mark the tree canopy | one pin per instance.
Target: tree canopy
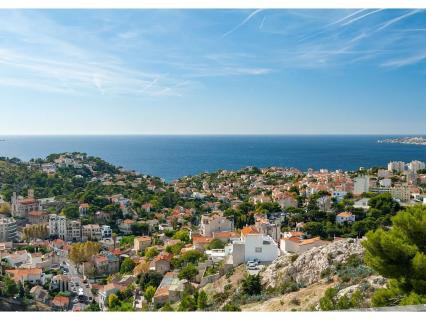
(399, 254)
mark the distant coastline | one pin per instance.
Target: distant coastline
(405, 140)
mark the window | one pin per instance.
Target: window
(258, 249)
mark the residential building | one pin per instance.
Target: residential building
(106, 291)
(60, 303)
(39, 294)
(361, 185)
(18, 258)
(362, 204)
(21, 207)
(170, 289)
(63, 228)
(416, 165)
(125, 226)
(268, 228)
(385, 183)
(8, 231)
(141, 243)
(102, 264)
(83, 208)
(345, 217)
(397, 166)
(91, 232)
(215, 223)
(401, 192)
(38, 217)
(73, 228)
(251, 245)
(31, 275)
(106, 232)
(161, 263)
(339, 195)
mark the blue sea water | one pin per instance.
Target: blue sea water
(171, 157)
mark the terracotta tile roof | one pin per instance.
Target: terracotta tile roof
(345, 214)
(143, 238)
(18, 274)
(249, 230)
(37, 214)
(27, 201)
(224, 234)
(162, 292)
(61, 301)
(201, 240)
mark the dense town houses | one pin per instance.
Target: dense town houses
(183, 235)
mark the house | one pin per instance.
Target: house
(39, 294)
(225, 236)
(252, 245)
(170, 289)
(362, 204)
(161, 263)
(125, 226)
(296, 244)
(345, 217)
(106, 232)
(83, 208)
(215, 223)
(102, 264)
(106, 291)
(18, 258)
(60, 303)
(141, 243)
(269, 229)
(200, 242)
(32, 275)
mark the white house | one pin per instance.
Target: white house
(251, 245)
(345, 217)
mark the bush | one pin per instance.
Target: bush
(251, 285)
(229, 307)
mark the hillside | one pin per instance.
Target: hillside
(298, 282)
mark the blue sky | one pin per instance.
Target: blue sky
(212, 71)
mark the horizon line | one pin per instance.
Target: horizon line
(201, 134)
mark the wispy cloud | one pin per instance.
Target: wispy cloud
(406, 61)
(397, 19)
(347, 17)
(361, 17)
(247, 19)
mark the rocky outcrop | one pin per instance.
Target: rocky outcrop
(310, 266)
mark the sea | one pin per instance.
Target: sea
(171, 157)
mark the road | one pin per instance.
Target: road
(77, 282)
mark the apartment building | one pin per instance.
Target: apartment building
(8, 230)
(215, 223)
